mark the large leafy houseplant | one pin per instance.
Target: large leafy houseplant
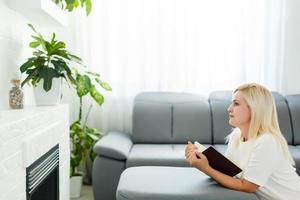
(83, 137)
(50, 59)
(70, 5)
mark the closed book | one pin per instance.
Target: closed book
(218, 161)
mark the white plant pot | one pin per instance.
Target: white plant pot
(75, 186)
(50, 98)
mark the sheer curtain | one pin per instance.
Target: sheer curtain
(176, 45)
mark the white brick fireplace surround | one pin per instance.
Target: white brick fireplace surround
(25, 135)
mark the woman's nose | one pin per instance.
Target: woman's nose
(229, 109)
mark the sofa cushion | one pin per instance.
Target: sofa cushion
(295, 151)
(283, 117)
(156, 155)
(151, 122)
(293, 102)
(191, 121)
(219, 102)
(173, 183)
(165, 117)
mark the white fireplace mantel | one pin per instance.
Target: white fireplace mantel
(25, 135)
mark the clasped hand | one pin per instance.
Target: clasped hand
(191, 153)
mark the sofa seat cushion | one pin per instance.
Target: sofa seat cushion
(295, 151)
(156, 155)
(160, 155)
(173, 183)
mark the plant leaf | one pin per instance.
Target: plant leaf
(75, 160)
(58, 46)
(74, 58)
(97, 96)
(30, 76)
(93, 73)
(48, 74)
(40, 62)
(49, 48)
(61, 66)
(53, 39)
(29, 63)
(93, 137)
(39, 38)
(88, 7)
(104, 85)
(38, 53)
(30, 25)
(34, 44)
(62, 53)
(92, 155)
(35, 80)
(72, 80)
(83, 85)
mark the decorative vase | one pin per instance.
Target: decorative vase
(75, 186)
(50, 98)
(16, 95)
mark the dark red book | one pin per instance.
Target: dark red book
(219, 162)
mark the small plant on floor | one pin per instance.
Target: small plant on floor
(83, 137)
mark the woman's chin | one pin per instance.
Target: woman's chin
(231, 122)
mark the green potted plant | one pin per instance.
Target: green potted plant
(49, 64)
(82, 136)
(70, 5)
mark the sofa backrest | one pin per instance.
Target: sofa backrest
(293, 102)
(166, 117)
(283, 117)
(219, 102)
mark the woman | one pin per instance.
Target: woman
(257, 146)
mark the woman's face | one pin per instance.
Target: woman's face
(238, 111)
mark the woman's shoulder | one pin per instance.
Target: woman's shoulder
(266, 139)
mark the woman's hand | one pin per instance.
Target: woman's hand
(191, 154)
(189, 148)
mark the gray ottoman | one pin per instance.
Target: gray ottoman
(172, 183)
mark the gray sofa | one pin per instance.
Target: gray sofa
(163, 123)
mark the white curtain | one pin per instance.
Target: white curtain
(192, 46)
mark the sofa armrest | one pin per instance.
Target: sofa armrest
(114, 145)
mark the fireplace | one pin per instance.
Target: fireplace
(42, 177)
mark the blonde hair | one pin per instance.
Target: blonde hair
(260, 99)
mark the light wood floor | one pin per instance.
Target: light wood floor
(86, 193)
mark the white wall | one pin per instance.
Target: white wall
(13, 32)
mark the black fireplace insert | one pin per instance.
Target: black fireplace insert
(42, 177)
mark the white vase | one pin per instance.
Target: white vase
(75, 186)
(50, 98)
